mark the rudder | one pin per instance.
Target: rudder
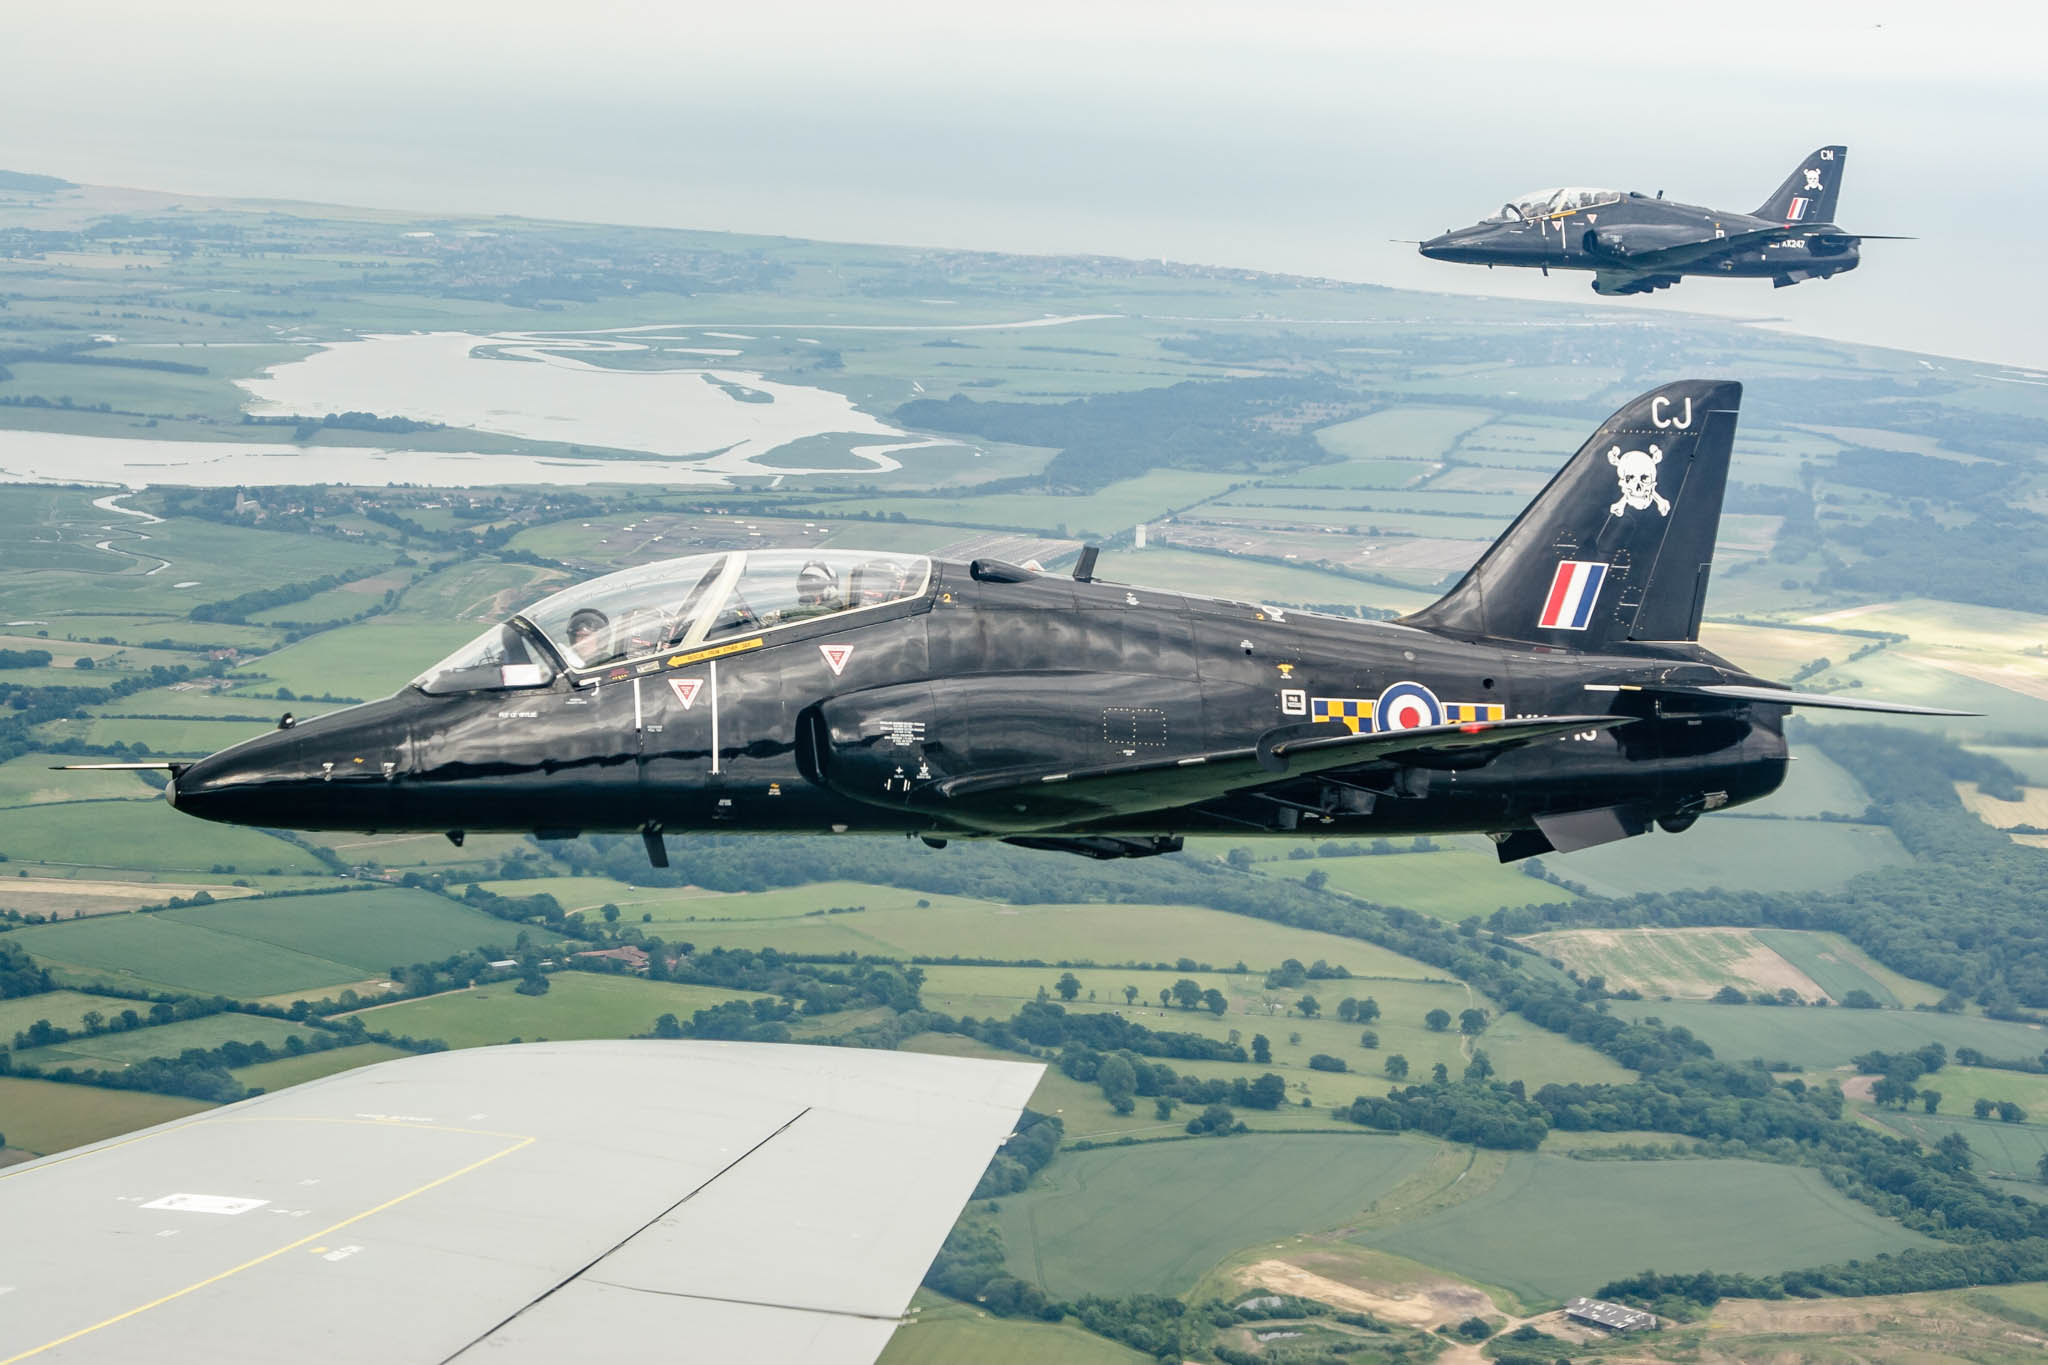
(1618, 544)
(1809, 193)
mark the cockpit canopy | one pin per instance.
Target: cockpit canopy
(1544, 203)
(675, 604)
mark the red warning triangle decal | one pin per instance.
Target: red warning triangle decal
(686, 690)
(836, 657)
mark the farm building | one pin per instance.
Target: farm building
(1614, 1317)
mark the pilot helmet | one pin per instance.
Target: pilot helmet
(588, 624)
(815, 584)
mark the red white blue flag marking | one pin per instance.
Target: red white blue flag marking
(1573, 593)
(1798, 210)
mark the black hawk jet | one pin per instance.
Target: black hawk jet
(1634, 244)
(1556, 698)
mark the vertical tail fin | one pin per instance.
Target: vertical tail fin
(1617, 546)
(1809, 193)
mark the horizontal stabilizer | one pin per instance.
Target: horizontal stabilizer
(1022, 801)
(1776, 696)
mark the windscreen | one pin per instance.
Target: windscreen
(502, 657)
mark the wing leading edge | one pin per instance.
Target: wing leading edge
(622, 1201)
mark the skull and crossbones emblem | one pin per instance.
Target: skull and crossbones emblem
(1637, 471)
(1813, 179)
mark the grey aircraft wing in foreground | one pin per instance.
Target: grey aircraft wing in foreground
(1635, 243)
(615, 1201)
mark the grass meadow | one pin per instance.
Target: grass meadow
(577, 1005)
(1820, 1038)
(1153, 1218)
(50, 1116)
(254, 948)
(1709, 1215)
(940, 1331)
(289, 1071)
(116, 1050)
(143, 836)
(1451, 884)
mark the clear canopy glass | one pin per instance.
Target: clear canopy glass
(677, 603)
(1544, 203)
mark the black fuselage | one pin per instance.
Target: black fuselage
(1040, 674)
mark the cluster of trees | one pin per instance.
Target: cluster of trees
(24, 658)
(19, 975)
(1480, 1111)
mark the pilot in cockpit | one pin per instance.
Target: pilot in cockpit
(817, 592)
(588, 629)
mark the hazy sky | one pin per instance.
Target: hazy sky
(1285, 135)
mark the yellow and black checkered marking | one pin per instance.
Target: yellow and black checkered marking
(1356, 712)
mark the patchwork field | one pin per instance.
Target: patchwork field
(1684, 964)
(1962, 1086)
(48, 1116)
(1735, 1215)
(1154, 1218)
(29, 781)
(75, 897)
(255, 948)
(577, 1005)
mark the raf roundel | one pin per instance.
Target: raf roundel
(1407, 706)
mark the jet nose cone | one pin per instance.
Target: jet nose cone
(235, 784)
(1435, 247)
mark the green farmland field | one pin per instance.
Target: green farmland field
(63, 1008)
(1735, 852)
(371, 659)
(29, 781)
(142, 835)
(1815, 1037)
(287, 1071)
(2011, 1150)
(1152, 1219)
(264, 947)
(577, 1005)
(1739, 1216)
(50, 1116)
(117, 1050)
(1839, 967)
(954, 927)
(1450, 885)
(942, 1332)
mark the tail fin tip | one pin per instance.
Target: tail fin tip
(1618, 544)
(1810, 193)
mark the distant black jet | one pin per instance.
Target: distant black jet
(1556, 698)
(1634, 244)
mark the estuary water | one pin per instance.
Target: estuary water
(541, 387)
(699, 426)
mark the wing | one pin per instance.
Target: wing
(1773, 696)
(616, 1201)
(1686, 255)
(1016, 802)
